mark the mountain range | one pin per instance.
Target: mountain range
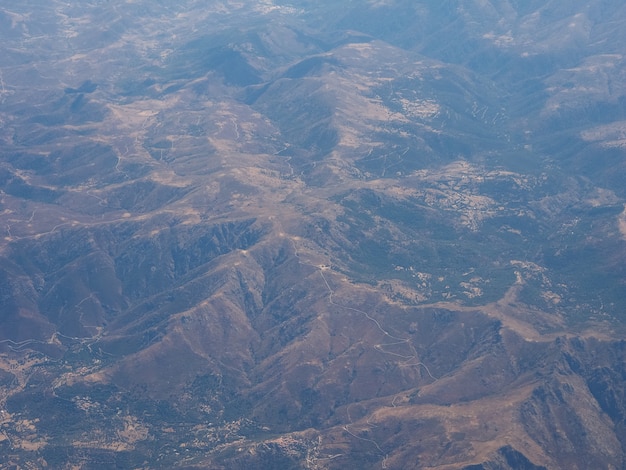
(284, 235)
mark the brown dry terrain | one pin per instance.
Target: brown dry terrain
(312, 235)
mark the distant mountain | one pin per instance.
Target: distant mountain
(378, 234)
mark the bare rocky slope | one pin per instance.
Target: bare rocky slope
(313, 235)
